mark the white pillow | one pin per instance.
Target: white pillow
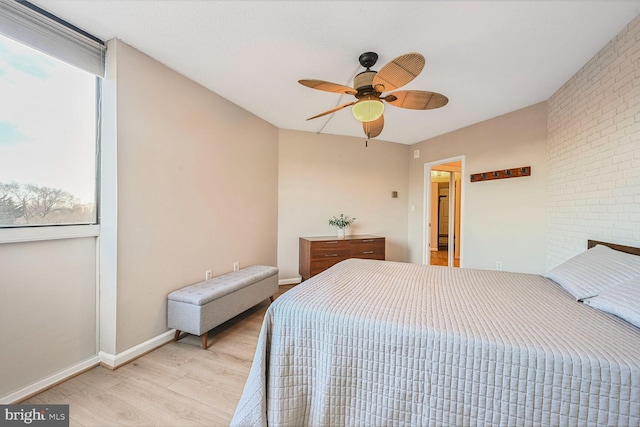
(592, 271)
(621, 300)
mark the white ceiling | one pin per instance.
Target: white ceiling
(488, 57)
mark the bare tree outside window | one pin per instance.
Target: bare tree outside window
(34, 204)
(47, 139)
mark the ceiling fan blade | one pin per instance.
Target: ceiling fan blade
(399, 72)
(416, 99)
(328, 86)
(373, 128)
(333, 110)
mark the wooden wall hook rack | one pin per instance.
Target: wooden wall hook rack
(502, 174)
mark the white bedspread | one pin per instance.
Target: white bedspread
(379, 343)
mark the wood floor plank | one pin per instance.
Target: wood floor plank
(224, 399)
(164, 406)
(156, 368)
(218, 367)
(93, 407)
(101, 378)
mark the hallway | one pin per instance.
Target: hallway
(440, 258)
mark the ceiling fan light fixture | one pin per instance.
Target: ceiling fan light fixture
(367, 109)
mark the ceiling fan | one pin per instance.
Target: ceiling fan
(369, 85)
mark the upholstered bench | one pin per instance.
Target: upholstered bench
(198, 308)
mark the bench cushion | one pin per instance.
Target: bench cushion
(204, 292)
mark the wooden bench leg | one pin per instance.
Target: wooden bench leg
(205, 345)
(205, 341)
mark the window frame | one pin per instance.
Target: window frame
(48, 232)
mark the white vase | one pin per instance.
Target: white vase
(340, 233)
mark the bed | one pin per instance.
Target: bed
(381, 343)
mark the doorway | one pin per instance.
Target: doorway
(443, 200)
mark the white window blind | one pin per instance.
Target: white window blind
(30, 25)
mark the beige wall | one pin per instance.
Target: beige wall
(197, 190)
(47, 309)
(502, 220)
(594, 152)
(324, 175)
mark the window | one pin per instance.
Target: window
(47, 139)
(48, 126)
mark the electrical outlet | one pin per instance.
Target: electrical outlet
(498, 265)
(236, 266)
(207, 275)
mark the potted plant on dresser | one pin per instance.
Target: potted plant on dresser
(341, 222)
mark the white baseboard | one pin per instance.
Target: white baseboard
(114, 361)
(49, 381)
(292, 281)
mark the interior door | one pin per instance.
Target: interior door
(456, 227)
(444, 207)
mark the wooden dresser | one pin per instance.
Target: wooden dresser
(319, 253)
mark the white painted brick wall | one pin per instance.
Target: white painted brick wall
(593, 187)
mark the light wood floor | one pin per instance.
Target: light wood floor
(441, 257)
(179, 384)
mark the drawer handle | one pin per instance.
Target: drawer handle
(367, 252)
(331, 243)
(367, 241)
(331, 255)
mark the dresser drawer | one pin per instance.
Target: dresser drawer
(368, 248)
(330, 249)
(321, 265)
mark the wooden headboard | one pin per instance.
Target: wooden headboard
(621, 248)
